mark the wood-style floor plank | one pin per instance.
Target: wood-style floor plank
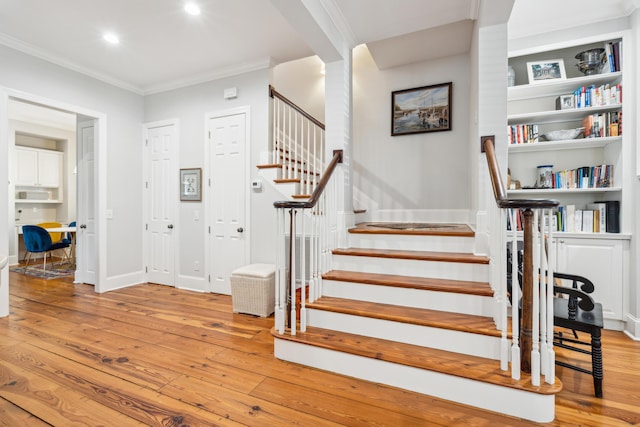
(154, 355)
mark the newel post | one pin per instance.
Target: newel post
(527, 293)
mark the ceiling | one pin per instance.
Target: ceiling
(161, 47)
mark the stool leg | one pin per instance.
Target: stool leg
(596, 361)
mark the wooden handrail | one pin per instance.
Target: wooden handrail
(275, 93)
(527, 206)
(337, 158)
(499, 191)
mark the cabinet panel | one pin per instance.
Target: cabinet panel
(26, 167)
(601, 261)
(38, 168)
(49, 165)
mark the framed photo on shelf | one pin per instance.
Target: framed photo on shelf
(421, 109)
(565, 102)
(191, 184)
(544, 71)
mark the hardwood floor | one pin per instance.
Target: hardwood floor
(154, 355)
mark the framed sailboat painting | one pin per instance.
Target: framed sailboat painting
(422, 109)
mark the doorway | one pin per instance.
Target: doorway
(228, 195)
(99, 178)
(161, 195)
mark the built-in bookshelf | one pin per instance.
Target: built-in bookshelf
(586, 168)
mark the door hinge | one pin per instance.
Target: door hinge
(146, 227)
(209, 278)
(209, 134)
(209, 229)
(209, 182)
(146, 142)
(146, 184)
(146, 269)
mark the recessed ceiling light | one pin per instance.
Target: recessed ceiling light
(192, 9)
(111, 38)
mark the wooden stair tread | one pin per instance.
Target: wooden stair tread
(415, 255)
(460, 365)
(461, 322)
(286, 180)
(423, 283)
(301, 196)
(419, 229)
(267, 166)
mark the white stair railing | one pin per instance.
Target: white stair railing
(532, 300)
(297, 142)
(312, 227)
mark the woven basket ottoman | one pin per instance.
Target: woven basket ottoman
(253, 289)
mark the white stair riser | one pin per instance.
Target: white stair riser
(433, 300)
(270, 174)
(518, 403)
(443, 339)
(412, 243)
(415, 268)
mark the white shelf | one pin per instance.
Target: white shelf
(550, 191)
(568, 144)
(29, 201)
(559, 87)
(555, 116)
(579, 235)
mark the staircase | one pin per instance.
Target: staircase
(412, 308)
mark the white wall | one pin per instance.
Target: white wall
(190, 105)
(124, 111)
(302, 82)
(427, 171)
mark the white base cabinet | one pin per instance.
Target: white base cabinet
(603, 261)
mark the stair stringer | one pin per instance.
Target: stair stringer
(510, 401)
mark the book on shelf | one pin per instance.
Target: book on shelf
(601, 210)
(583, 177)
(612, 215)
(612, 60)
(597, 96)
(522, 134)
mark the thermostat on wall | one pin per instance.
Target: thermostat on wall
(230, 92)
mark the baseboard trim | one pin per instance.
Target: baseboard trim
(123, 281)
(632, 327)
(191, 283)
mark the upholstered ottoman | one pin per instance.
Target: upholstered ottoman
(253, 289)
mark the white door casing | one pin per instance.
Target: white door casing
(161, 197)
(228, 195)
(86, 237)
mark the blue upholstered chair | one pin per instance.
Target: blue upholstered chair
(38, 240)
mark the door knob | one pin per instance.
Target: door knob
(83, 226)
(170, 226)
(240, 229)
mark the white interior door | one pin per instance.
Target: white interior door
(162, 196)
(227, 198)
(86, 234)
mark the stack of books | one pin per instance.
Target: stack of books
(603, 125)
(597, 217)
(583, 177)
(612, 57)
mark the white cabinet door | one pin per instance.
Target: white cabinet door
(600, 261)
(26, 167)
(49, 166)
(38, 168)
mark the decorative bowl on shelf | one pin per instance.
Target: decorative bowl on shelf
(590, 61)
(562, 134)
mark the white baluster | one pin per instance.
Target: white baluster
(535, 328)
(515, 300)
